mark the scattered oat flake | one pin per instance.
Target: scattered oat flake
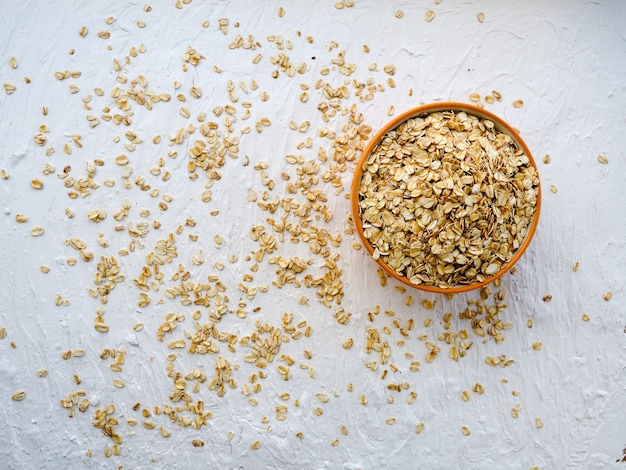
(518, 103)
(602, 159)
(608, 295)
(429, 16)
(478, 388)
(481, 17)
(398, 14)
(546, 159)
(585, 317)
(553, 188)
(19, 395)
(37, 231)
(9, 88)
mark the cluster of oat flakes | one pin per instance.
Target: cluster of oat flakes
(446, 199)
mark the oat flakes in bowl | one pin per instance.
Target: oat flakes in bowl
(446, 197)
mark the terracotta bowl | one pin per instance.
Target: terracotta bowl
(501, 126)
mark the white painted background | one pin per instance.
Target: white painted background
(565, 59)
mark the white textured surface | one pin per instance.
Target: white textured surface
(565, 60)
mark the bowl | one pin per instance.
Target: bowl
(468, 255)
